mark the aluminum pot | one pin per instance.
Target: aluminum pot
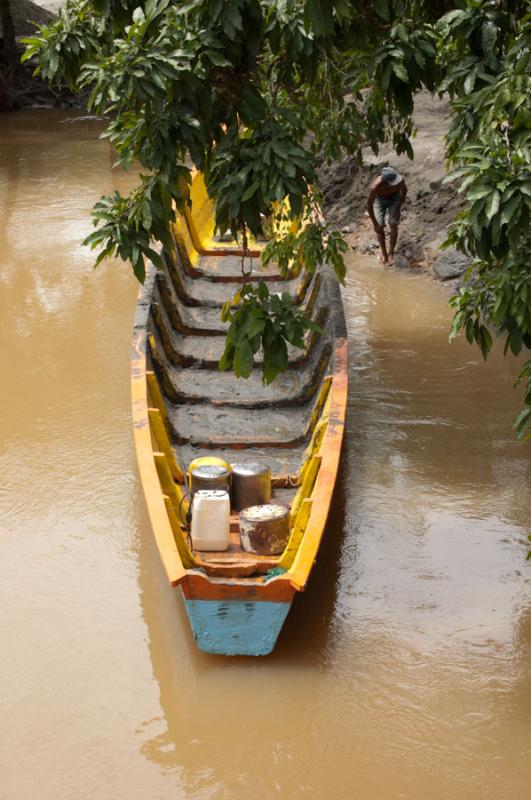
(209, 476)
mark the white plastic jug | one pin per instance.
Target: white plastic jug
(210, 520)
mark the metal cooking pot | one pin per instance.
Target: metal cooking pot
(209, 476)
(251, 484)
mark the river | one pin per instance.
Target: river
(404, 671)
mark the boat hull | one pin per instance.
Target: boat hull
(184, 408)
(236, 627)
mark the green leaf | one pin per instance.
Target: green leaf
(318, 16)
(256, 326)
(243, 359)
(217, 58)
(493, 204)
(489, 35)
(509, 209)
(470, 82)
(252, 189)
(139, 268)
(400, 71)
(515, 340)
(253, 107)
(263, 291)
(227, 358)
(478, 192)
(485, 341)
(275, 360)
(522, 426)
(382, 9)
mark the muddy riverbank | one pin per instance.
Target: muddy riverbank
(430, 206)
(19, 87)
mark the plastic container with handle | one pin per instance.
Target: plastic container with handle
(211, 520)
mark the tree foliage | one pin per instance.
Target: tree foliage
(253, 91)
(262, 321)
(486, 58)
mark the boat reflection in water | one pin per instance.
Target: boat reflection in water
(223, 718)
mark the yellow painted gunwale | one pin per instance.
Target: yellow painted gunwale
(330, 454)
(149, 478)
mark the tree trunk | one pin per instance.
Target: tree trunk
(9, 50)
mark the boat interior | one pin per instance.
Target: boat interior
(195, 410)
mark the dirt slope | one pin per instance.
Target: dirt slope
(26, 15)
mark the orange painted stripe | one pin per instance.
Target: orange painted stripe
(199, 587)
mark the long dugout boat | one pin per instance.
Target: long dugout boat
(184, 408)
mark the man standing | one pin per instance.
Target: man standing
(387, 192)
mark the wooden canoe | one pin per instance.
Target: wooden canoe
(183, 407)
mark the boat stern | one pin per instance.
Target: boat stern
(237, 618)
(236, 627)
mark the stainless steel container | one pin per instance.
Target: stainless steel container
(209, 476)
(251, 484)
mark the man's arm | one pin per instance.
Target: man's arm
(370, 202)
(403, 191)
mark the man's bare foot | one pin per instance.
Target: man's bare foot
(384, 260)
(391, 259)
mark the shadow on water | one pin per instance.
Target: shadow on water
(307, 629)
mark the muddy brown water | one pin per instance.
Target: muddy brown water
(405, 669)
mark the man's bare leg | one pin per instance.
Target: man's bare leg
(393, 236)
(380, 233)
